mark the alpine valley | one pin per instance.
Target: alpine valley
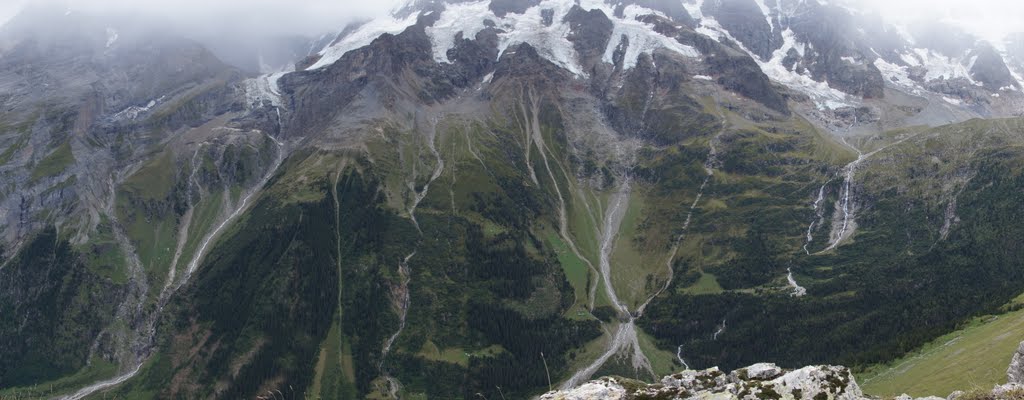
(498, 198)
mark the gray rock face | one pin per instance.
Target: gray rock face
(591, 31)
(990, 69)
(745, 21)
(1015, 373)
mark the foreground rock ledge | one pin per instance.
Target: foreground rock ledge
(756, 382)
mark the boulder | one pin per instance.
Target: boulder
(1015, 373)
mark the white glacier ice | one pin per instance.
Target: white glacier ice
(550, 40)
(641, 38)
(362, 36)
(467, 18)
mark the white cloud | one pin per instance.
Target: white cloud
(989, 19)
(9, 8)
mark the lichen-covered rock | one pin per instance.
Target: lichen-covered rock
(1015, 373)
(909, 397)
(1008, 391)
(756, 382)
(604, 389)
(763, 371)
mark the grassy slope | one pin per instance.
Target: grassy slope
(54, 163)
(973, 357)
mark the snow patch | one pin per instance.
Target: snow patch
(133, 112)
(362, 36)
(112, 36)
(703, 77)
(910, 60)
(939, 66)
(262, 88)
(1014, 72)
(467, 18)
(641, 39)
(897, 75)
(694, 9)
(955, 102)
(550, 41)
(824, 96)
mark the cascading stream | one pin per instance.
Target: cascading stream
(709, 168)
(403, 300)
(817, 213)
(847, 201)
(721, 328)
(798, 291)
(402, 303)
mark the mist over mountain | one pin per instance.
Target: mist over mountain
(498, 198)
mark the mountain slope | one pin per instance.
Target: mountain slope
(498, 197)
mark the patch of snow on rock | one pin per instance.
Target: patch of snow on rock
(939, 66)
(551, 42)
(262, 88)
(897, 75)
(132, 113)
(641, 38)
(824, 96)
(694, 9)
(467, 18)
(362, 36)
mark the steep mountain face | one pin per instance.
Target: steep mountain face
(842, 57)
(492, 198)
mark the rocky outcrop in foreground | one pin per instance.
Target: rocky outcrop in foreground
(767, 381)
(758, 381)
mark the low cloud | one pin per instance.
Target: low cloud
(989, 19)
(256, 17)
(992, 20)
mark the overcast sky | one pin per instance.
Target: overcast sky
(271, 16)
(991, 19)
